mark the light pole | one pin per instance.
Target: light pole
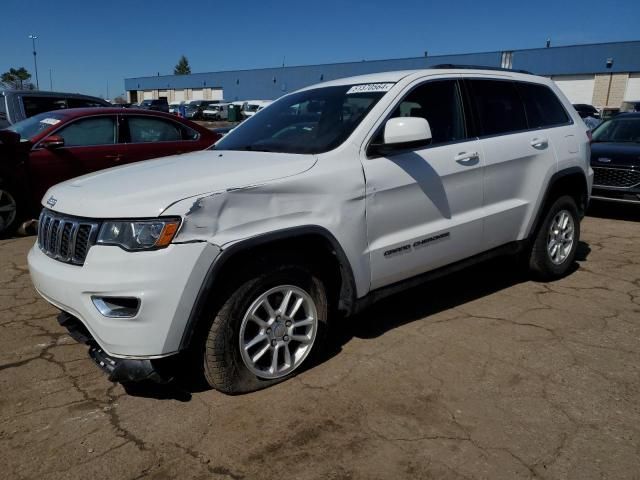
(35, 61)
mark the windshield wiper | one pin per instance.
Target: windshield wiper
(250, 148)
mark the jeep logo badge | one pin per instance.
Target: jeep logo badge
(604, 160)
(52, 201)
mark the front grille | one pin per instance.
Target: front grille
(65, 238)
(615, 177)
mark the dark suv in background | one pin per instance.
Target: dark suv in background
(159, 105)
(16, 105)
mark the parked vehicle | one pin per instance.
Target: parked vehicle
(196, 107)
(158, 105)
(216, 111)
(55, 146)
(251, 107)
(174, 107)
(334, 196)
(585, 110)
(630, 106)
(16, 105)
(615, 159)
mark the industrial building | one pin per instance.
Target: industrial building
(604, 75)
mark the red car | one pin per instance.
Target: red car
(62, 144)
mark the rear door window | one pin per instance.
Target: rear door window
(498, 106)
(90, 132)
(149, 130)
(541, 105)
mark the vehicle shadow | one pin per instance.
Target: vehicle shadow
(436, 296)
(616, 211)
(392, 312)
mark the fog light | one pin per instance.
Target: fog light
(117, 307)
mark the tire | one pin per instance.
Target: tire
(9, 217)
(227, 368)
(554, 249)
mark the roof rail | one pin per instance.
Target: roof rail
(478, 67)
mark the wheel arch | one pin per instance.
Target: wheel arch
(331, 256)
(571, 181)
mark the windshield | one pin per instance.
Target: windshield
(311, 121)
(31, 126)
(625, 130)
(146, 103)
(251, 108)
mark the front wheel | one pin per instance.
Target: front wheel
(554, 247)
(266, 330)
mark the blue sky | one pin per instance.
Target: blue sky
(89, 44)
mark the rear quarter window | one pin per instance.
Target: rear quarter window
(542, 106)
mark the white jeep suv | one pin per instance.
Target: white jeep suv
(335, 195)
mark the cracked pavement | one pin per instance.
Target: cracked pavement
(482, 374)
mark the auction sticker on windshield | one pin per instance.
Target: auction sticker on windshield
(370, 87)
(50, 121)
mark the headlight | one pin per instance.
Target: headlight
(138, 234)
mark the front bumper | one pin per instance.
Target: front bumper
(624, 195)
(165, 281)
(123, 370)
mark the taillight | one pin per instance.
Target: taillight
(589, 136)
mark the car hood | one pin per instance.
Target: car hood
(609, 154)
(146, 189)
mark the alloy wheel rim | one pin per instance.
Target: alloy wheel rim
(8, 209)
(277, 331)
(561, 237)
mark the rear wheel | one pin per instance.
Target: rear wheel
(554, 248)
(9, 211)
(266, 330)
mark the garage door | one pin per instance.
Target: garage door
(577, 88)
(216, 94)
(197, 94)
(148, 95)
(178, 95)
(633, 88)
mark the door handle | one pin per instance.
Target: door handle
(540, 143)
(115, 158)
(467, 158)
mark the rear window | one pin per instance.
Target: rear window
(541, 105)
(83, 103)
(498, 106)
(33, 104)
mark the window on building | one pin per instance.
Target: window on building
(507, 60)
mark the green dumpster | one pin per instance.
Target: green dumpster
(235, 114)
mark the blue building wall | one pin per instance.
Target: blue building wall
(270, 83)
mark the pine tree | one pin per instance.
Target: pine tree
(182, 68)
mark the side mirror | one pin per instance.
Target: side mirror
(8, 137)
(406, 130)
(52, 142)
(402, 133)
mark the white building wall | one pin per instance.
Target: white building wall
(633, 87)
(577, 88)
